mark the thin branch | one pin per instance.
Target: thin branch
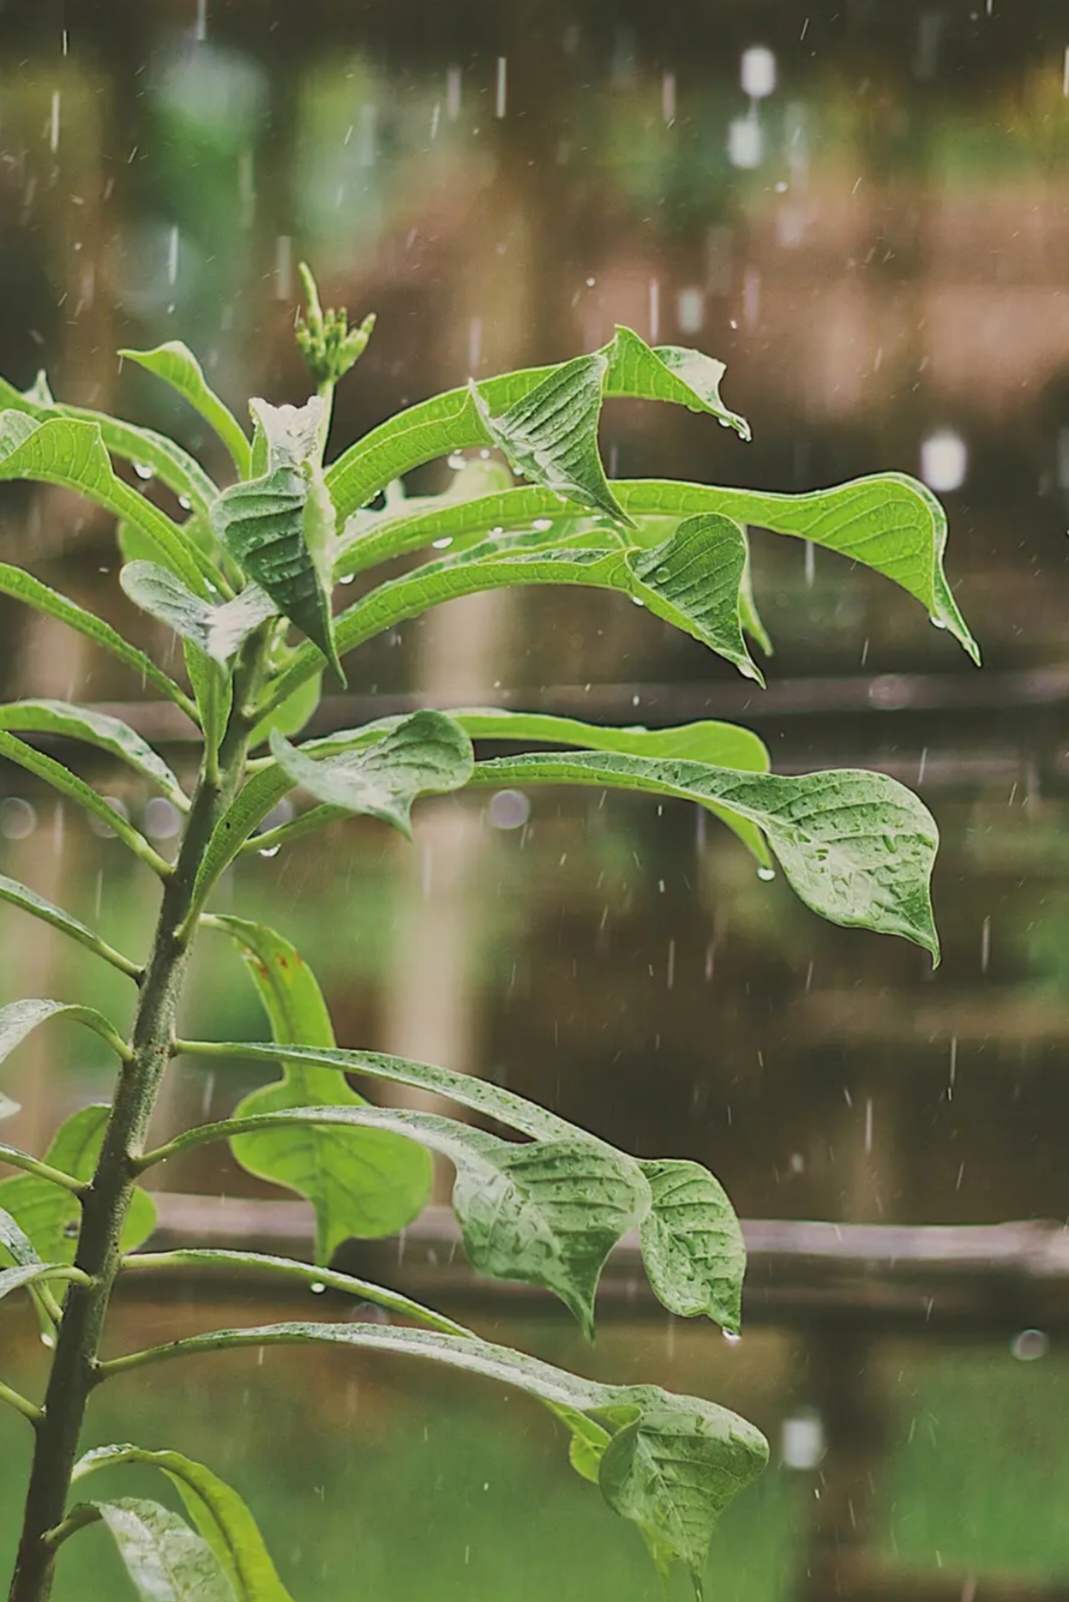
(77, 1519)
(33, 1165)
(302, 1273)
(15, 1399)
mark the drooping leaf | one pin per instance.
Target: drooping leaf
(107, 733)
(674, 1480)
(176, 364)
(669, 373)
(165, 1559)
(673, 1464)
(361, 1182)
(217, 630)
(547, 1213)
(692, 1246)
(856, 847)
(264, 526)
(725, 745)
(425, 754)
(71, 453)
(75, 789)
(161, 456)
(551, 435)
(19, 895)
(23, 587)
(218, 1512)
(29, 1276)
(49, 1215)
(19, 1018)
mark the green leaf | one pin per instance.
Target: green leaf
(176, 364)
(20, 1018)
(425, 754)
(292, 435)
(218, 1512)
(49, 1215)
(679, 1461)
(725, 745)
(70, 453)
(889, 523)
(451, 421)
(23, 587)
(100, 729)
(263, 525)
(29, 1275)
(68, 784)
(692, 1245)
(167, 461)
(692, 581)
(669, 373)
(15, 1242)
(166, 1560)
(856, 847)
(674, 1480)
(551, 435)
(19, 895)
(217, 631)
(362, 1183)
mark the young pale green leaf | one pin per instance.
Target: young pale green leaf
(15, 1242)
(362, 1183)
(856, 847)
(669, 373)
(70, 453)
(176, 364)
(292, 435)
(679, 1462)
(725, 745)
(75, 789)
(150, 451)
(220, 1516)
(451, 421)
(109, 734)
(692, 1245)
(674, 1480)
(19, 895)
(165, 1559)
(265, 525)
(23, 587)
(425, 754)
(218, 631)
(47, 1214)
(551, 435)
(292, 715)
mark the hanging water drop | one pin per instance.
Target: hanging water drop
(144, 471)
(766, 874)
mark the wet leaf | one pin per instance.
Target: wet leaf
(692, 1244)
(219, 1513)
(219, 631)
(99, 729)
(176, 364)
(361, 1182)
(19, 895)
(426, 754)
(550, 436)
(165, 1559)
(856, 847)
(669, 373)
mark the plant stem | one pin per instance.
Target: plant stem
(106, 1199)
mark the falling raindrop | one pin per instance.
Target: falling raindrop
(690, 310)
(802, 1443)
(200, 30)
(668, 98)
(1030, 1344)
(53, 127)
(745, 143)
(161, 819)
(758, 72)
(810, 564)
(654, 310)
(17, 818)
(172, 256)
(944, 461)
(501, 89)
(508, 809)
(452, 93)
(985, 944)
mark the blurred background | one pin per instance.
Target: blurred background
(863, 208)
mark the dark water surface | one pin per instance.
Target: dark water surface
(864, 210)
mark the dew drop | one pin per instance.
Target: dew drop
(144, 471)
(47, 1340)
(442, 544)
(185, 503)
(542, 524)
